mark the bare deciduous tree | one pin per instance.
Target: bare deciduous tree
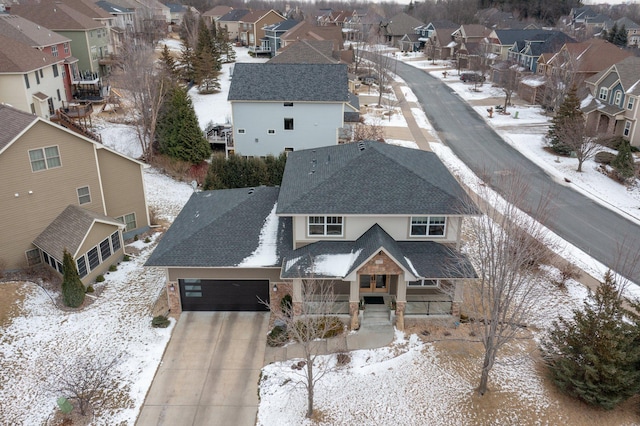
(307, 323)
(86, 380)
(508, 247)
(572, 132)
(383, 67)
(147, 87)
(368, 132)
(509, 83)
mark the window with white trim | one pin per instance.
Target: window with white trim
(603, 94)
(241, 131)
(105, 249)
(627, 128)
(115, 241)
(81, 263)
(271, 131)
(94, 258)
(66, 48)
(55, 70)
(84, 196)
(26, 81)
(617, 97)
(431, 226)
(44, 158)
(630, 102)
(423, 283)
(54, 50)
(325, 225)
(129, 220)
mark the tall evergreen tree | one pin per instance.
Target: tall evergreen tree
(593, 356)
(620, 38)
(179, 134)
(187, 62)
(207, 60)
(567, 114)
(613, 33)
(624, 163)
(168, 63)
(72, 288)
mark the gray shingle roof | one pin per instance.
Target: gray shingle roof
(233, 15)
(220, 229)
(306, 52)
(13, 122)
(27, 32)
(378, 179)
(69, 229)
(426, 259)
(289, 82)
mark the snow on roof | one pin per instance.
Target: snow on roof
(632, 88)
(413, 270)
(533, 81)
(265, 254)
(452, 44)
(586, 101)
(336, 265)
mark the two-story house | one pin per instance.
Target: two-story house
(306, 31)
(527, 51)
(632, 29)
(251, 28)
(89, 38)
(614, 109)
(34, 71)
(394, 29)
(63, 191)
(362, 25)
(272, 40)
(374, 219)
(212, 15)
(124, 25)
(286, 107)
(230, 21)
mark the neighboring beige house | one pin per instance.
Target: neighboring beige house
(615, 104)
(211, 16)
(251, 26)
(307, 31)
(61, 190)
(230, 21)
(382, 222)
(393, 30)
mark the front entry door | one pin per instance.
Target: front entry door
(374, 283)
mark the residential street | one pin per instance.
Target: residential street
(591, 227)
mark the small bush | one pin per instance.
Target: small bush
(343, 358)
(147, 240)
(604, 157)
(160, 321)
(286, 304)
(135, 237)
(113, 268)
(100, 278)
(277, 336)
(332, 325)
(90, 289)
(126, 258)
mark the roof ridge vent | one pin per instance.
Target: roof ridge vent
(251, 190)
(361, 146)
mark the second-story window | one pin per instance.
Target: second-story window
(325, 225)
(428, 226)
(66, 48)
(617, 98)
(84, 195)
(603, 94)
(54, 50)
(55, 70)
(288, 123)
(630, 103)
(44, 158)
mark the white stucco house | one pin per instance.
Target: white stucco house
(287, 107)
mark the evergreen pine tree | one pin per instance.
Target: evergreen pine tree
(623, 163)
(568, 111)
(620, 38)
(594, 355)
(187, 61)
(168, 63)
(613, 32)
(207, 62)
(179, 134)
(72, 288)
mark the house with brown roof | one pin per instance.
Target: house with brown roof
(89, 38)
(467, 44)
(212, 15)
(307, 31)
(63, 191)
(578, 61)
(362, 25)
(45, 44)
(251, 27)
(394, 29)
(613, 107)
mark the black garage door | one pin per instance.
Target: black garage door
(224, 295)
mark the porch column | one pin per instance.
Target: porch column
(173, 298)
(458, 289)
(296, 296)
(354, 304)
(401, 302)
(612, 126)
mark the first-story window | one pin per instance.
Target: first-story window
(81, 262)
(288, 123)
(33, 257)
(325, 225)
(627, 128)
(129, 220)
(432, 226)
(115, 241)
(423, 283)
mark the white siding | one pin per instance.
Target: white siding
(314, 125)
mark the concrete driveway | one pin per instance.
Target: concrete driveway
(209, 372)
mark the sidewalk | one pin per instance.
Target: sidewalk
(420, 136)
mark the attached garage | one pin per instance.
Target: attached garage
(224, 295)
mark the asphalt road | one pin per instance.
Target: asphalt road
(596, 230)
